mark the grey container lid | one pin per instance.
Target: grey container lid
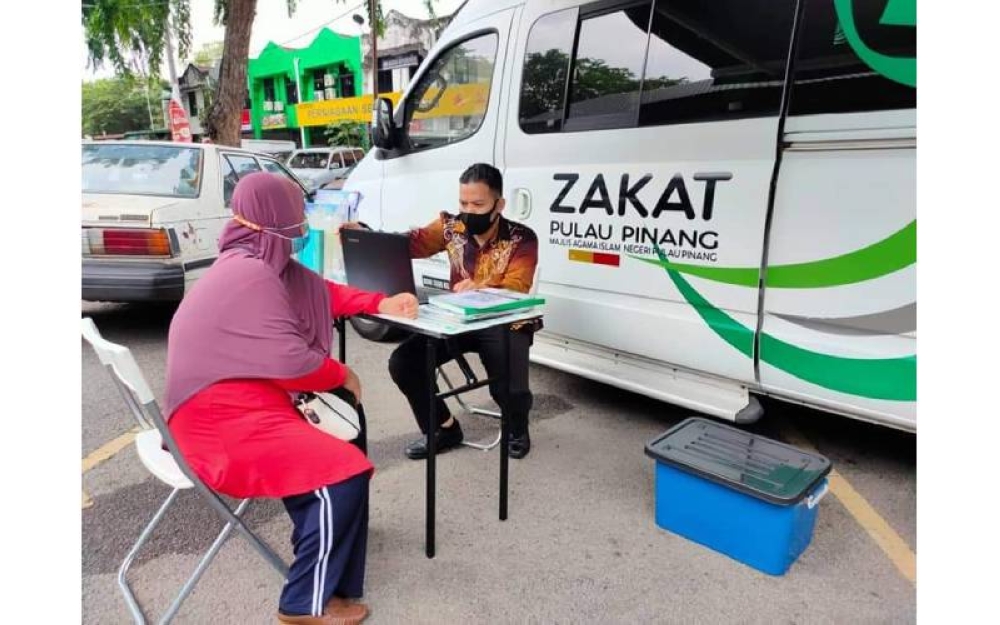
(749, 463)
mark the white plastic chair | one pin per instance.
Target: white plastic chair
(167, 466)
(474, 410)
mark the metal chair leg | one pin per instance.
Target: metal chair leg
(227, 515)
(483, 412)
(202, 565)
(133, 603)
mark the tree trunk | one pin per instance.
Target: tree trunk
(231, 92)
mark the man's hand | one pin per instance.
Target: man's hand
(465, 285)
(353, 384)
(401, 305)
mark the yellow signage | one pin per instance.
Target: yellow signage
(456, 101)
(325, 112)
(276, 120)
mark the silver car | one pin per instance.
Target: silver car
(317, 167)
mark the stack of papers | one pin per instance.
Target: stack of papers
(482, 304)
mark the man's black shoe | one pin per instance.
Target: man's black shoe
(446, 439)
(519, 446)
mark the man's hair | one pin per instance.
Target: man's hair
(487, 174)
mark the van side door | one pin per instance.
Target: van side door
(640, 148)
(840, 299)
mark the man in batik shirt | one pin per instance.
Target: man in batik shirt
(485, 250)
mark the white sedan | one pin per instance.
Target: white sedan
(153, 212)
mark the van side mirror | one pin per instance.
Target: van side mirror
(383, 124)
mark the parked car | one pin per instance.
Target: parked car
(319, 166)
(153, 213)
(279, 150)
(340, 179)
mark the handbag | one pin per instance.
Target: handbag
(329, 413)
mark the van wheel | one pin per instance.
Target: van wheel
(379, 332)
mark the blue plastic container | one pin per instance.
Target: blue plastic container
(746, 496)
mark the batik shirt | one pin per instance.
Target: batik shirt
(506, 261)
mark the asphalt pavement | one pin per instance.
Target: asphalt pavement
(580, 545)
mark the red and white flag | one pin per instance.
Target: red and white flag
(180, 127)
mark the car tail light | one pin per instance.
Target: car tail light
(126, 242)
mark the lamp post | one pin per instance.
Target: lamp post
(374, 36)
(298, 90)
(165, 95)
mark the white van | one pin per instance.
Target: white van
(724, 192)
(153, 213)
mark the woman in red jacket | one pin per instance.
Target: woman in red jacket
(255, 329)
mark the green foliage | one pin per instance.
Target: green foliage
(130, 35)
(208, 54)
(116, 106)
(347, 134)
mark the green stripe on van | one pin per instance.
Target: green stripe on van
(895, 252)
(893, 379)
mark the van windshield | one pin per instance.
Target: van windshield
(309, 160)
(142, 170)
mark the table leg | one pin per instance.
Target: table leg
(432, 428)
(342, 339)
(505, 428)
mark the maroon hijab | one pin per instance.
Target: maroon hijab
(256, 313)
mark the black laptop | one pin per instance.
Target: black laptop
(379, 261)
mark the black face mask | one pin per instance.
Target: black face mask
(478, 224)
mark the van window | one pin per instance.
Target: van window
(336, 160)
(607, 69)
(359, 154)
(546, 66)
(831, 77)
(655, 63)
(348, 158)
(713, 61)
(450, 101)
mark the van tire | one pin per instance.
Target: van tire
(378, 332)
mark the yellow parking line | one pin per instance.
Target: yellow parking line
(107, 450)
(888, 540)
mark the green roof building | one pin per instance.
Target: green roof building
(279, 78)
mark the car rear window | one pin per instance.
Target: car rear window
(142, 170)
(309, 160)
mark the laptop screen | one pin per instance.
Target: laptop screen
(378, 261)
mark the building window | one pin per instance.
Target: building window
(346, 85)
(291, 92)
(385, 81)
(192, 98)
(269, 90)
(324, 84)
